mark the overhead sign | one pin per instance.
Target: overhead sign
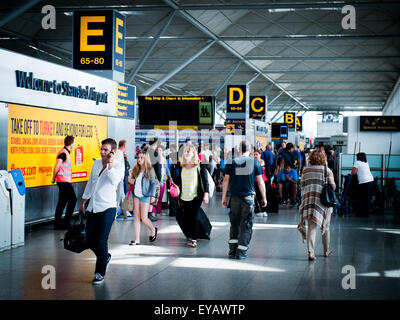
(205, 112)
(126, 97)
(279, 131)
(31, 81)
(299, 123)
(119, 42)
(28, 81)
(237, 97)
(99, 40)
(379, 123)
(185, 110)
(289, 119)
(235, 124)
(38, 134)
(258, 106)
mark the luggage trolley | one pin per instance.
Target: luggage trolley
(345, 204)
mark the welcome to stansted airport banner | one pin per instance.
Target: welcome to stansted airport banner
(34, 82)
(36, 135)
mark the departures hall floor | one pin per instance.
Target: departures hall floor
(277, 266)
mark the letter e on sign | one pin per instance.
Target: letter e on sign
(86, 32)
(118, 35)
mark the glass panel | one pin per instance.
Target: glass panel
(376, 174)
(347, 161)
(395, 175)
(346, 172)
(374, 160)
(394, 161)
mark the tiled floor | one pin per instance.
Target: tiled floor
(277, 266)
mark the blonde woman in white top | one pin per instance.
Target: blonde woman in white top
(143, 179)
(193, 183)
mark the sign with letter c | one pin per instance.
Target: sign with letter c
(257, 106)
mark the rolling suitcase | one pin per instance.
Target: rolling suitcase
(272, 200)
(173, 205)
(204, 224)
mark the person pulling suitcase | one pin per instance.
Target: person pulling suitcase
(191, 177)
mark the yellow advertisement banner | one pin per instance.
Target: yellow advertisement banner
(262, 141)
(36, 135)
(167, 127)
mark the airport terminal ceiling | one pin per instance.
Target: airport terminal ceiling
(305, 56)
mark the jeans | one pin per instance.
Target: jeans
(66, 197)
(241, 216)
(142, 199)
(190, 216)
(98, 229)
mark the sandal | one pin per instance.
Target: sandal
(134, 243)
(153, 238)
(192, 243)
(326, 254)
(311, 257)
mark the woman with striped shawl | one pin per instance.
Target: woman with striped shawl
(311, 208)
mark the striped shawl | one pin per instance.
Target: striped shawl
(312, 183)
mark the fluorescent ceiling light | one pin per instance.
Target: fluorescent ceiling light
(137, 260)
(386, 274)
(224, 264)
(274, 226)
(45, 52)
(280, 10)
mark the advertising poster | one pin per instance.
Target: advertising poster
(36, 135)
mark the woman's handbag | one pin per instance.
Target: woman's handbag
(127, 204)
(329, 198)
(173, 189)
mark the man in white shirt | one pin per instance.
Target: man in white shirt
(101, 189)
(205, 157)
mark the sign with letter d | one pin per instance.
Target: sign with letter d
(237, 98)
